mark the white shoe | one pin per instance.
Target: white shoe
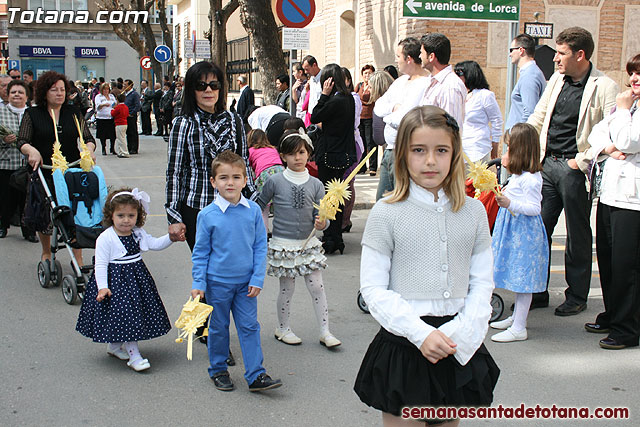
(328, 340)
(509, 336)
(502, 324)
(287, 337)
(120, 353)
(139, 364)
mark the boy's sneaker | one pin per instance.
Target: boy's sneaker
(264, 382)
(222, 381)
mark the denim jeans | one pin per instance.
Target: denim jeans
(366, 133)
(387, 181)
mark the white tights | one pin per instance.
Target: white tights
(318, 297)
(131, 347)
(521, 311)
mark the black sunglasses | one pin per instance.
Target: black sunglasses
(459, 72)
(511, 49)
(213, 84)
(15, 77)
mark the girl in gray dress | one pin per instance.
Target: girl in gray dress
(293, 194)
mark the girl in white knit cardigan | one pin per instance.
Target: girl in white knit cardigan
(426, 276)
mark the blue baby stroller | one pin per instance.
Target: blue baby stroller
(76, 216)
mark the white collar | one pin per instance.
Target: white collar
(243, 88)
(425, 196)
(16, 110)
(297, 178)
(527, 65)
(442, 74)
(223, 203)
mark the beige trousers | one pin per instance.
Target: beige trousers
(121, 140)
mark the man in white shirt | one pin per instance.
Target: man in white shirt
(403, 94)
(445, 90)
(310, 66)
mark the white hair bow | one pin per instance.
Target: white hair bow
(141, 196)
(302, 134)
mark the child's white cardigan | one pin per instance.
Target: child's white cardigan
(109, 248)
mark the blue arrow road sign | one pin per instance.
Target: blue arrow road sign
(162, 54)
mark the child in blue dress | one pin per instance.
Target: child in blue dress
(294, 193)
(122, 305)
(520, 246)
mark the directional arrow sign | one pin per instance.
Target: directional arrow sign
(482, 10)
(412, 5)
(162, 54)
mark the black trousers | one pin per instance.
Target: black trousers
(564, 188)
(618, 249)
(159, 122)
(366, 133)
(10, 200)
(189, 217)
(167, 118)
(132, 134)
(334, 232)
(145, 121)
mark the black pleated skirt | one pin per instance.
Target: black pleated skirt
(394, 374)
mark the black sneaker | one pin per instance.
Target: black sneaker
(222, 381)
(264, 382)
(231, 361)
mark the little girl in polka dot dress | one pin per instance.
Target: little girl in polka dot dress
(122, 305)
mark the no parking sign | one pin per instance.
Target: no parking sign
(296, 13)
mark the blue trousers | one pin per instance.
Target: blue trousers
(387, 180)
(226, 298)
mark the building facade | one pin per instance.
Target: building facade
(78, 47)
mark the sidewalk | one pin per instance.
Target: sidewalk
(366, 188)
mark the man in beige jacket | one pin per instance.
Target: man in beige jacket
(576, 98)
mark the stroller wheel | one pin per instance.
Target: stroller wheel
(44, 274)
(69, 289)
(497, 307)
(362, 305)
(57, 277)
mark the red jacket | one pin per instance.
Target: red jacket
(120, 113)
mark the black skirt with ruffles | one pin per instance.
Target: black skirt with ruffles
(394, 374)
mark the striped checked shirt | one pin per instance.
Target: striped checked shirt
(193, 143)
(10, 156)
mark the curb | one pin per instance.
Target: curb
(359, 206)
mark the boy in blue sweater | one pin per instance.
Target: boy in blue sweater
(229, 264)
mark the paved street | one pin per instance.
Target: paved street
(52, 376)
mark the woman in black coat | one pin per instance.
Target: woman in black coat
(335, 150)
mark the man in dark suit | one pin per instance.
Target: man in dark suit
(246, 96)
(132, 101)
(166, 108)
(145, 107)
(157, 96)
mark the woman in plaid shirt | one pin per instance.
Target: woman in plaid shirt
(204, 130)
(11, 158)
